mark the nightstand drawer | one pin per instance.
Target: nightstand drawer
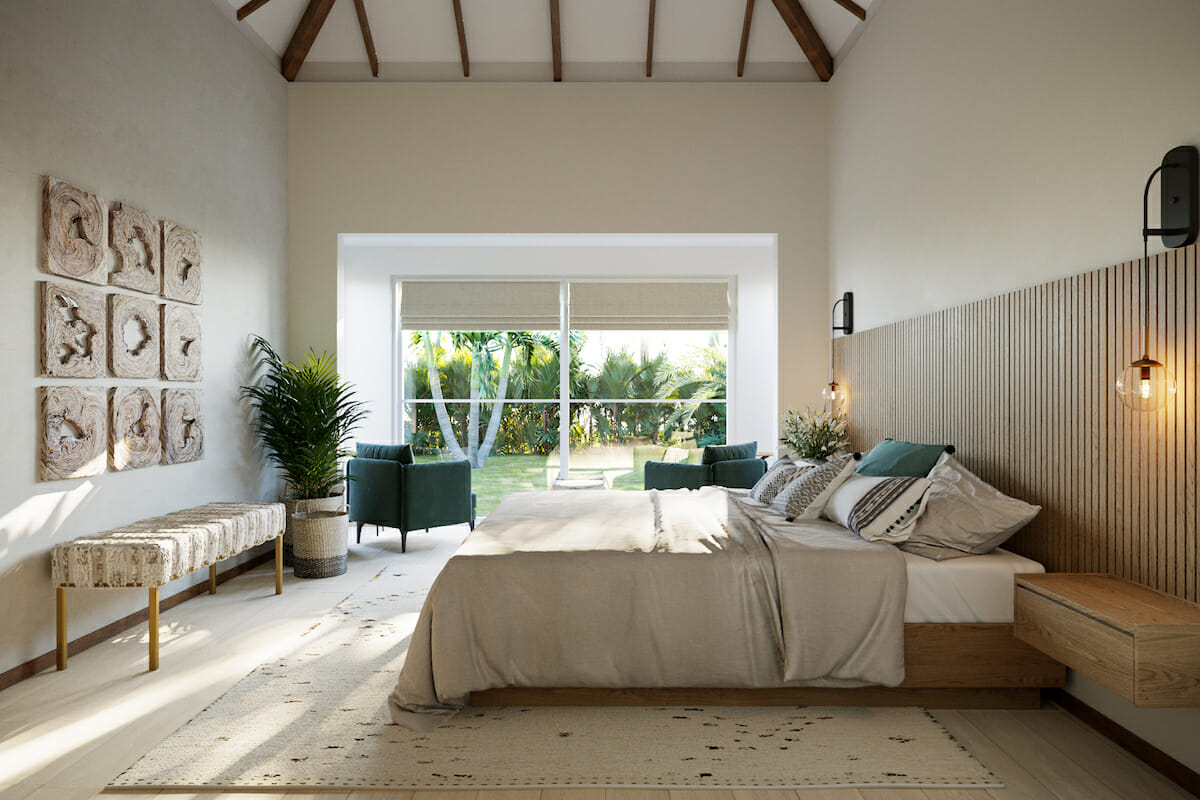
(1142, 644)
(1083, 643)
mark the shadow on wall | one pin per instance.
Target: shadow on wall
(40, 516)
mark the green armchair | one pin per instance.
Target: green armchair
(386, 487)
(733, 465)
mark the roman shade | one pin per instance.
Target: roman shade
(649, 306)
(479, 305)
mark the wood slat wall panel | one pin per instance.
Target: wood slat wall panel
(1022, 384)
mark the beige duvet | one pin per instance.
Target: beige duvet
(652, 589)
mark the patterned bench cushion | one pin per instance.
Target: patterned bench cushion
(156, 551)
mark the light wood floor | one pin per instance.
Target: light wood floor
(65, 735)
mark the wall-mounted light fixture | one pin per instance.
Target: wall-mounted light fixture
(1146, 385)
(832, 392)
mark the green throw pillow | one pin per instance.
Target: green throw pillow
(896, 459)
(385, 452)
(728, 452)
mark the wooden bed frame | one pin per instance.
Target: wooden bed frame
(947, 665)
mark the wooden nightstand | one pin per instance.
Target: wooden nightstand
(1140, 643)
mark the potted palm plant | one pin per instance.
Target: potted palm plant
(304, 414)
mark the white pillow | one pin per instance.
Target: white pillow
(806, 495)
(967, 514)
(879, 509)
(675, 455)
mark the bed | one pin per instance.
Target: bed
(705, 597)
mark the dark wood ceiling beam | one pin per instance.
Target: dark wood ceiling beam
(556, 39)
(650, 43)
(745, 37)
(368, 42)
(304, 36)
(807, 37)
(853, 7)
(462, 38)
(249, 8)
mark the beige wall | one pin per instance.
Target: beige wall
(980, 147)
(167, 107)
(565, 158)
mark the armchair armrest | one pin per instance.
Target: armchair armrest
(373, 491)
(437, 493)
(666, 475)
(741, 473)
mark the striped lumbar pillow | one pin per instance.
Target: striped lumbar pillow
(879, 509)
(806, 495)
(781, 473)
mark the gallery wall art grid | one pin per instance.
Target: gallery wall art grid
(148, 329)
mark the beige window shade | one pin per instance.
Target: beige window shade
(650, 306)
(479, 305)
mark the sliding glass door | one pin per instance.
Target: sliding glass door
(483, 377)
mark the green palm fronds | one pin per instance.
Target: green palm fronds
(303, 415)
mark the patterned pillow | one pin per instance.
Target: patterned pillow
(781, 473)
(879, 509)
(805, 496)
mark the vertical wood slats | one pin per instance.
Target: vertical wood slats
(1022, 385)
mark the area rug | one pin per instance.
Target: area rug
(318, 718)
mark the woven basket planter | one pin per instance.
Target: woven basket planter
(319, 543)
(291, 506)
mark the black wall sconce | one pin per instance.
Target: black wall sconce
(832, 391)
(847, 304)
(1146, 385)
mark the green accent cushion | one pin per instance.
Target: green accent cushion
(741, 473)
(730, 452)
(386, 452)
(896, 459)
(663, 475)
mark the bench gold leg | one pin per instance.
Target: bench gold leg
(154, 628)
(60, 594)
(279, 564)
(212, 578)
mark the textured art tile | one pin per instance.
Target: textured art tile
(181, 264)
(182, 426)
(180, 343)
(136, 239)
(73, 226)
(74, 432)
(135, 432)
(133, 340)
(74, 331)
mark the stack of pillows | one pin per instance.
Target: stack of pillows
(915, 496)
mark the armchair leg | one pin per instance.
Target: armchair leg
(472, 523)
(358, 536)
(403, 541)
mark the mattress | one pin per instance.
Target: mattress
(969, 589)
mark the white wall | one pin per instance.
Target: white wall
(167, 107)
(978, 147)
(568, 158)
(366, 314)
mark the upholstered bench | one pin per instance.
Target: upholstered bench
(153, 552)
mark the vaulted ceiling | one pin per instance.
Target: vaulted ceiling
(573, 40)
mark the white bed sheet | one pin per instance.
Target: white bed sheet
(968, 589)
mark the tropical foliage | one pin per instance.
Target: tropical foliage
(304, 415)
(491, 370)
(815, 434)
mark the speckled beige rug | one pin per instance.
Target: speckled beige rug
(318, 718)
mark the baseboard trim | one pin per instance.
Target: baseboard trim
(1187, 778)
(47, 660)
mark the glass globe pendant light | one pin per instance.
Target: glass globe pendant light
(1146, 385)
(833, 393)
